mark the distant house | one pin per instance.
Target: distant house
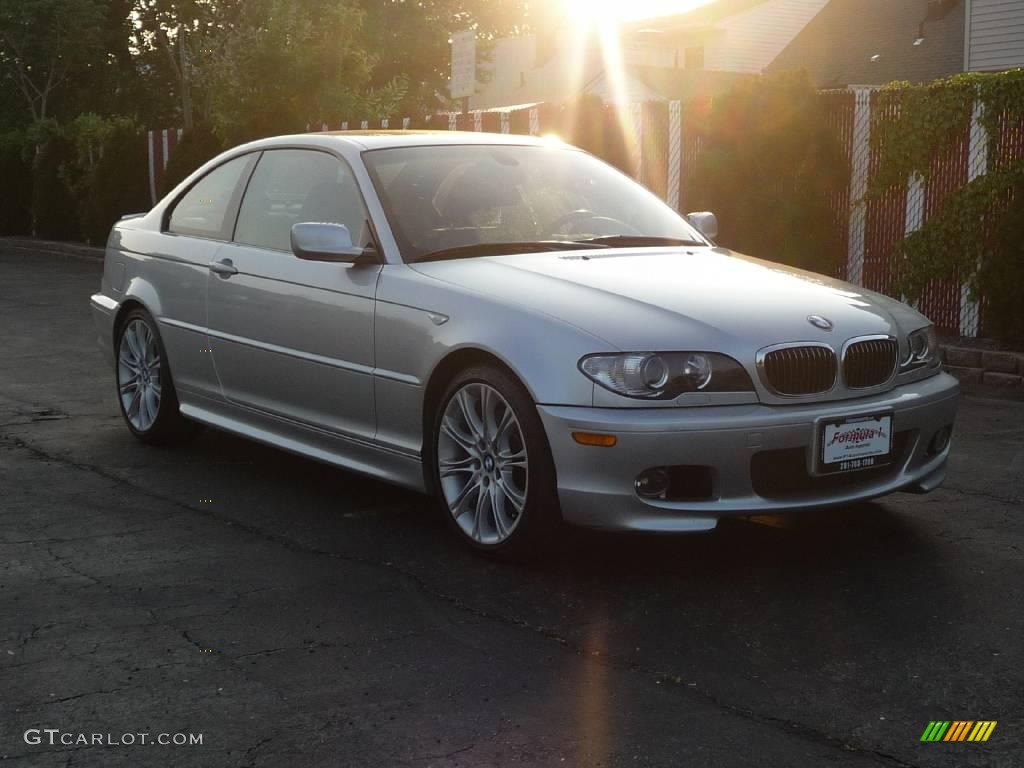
(994, 38)
(839, 42)
(871, 42)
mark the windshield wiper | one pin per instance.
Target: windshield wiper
(501, 249)
(637, 241)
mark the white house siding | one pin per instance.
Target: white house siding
(748, 42)
(995, 35)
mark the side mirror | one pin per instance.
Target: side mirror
(704, 222)
(325, 242)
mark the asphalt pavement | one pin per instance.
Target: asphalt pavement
(291, 614)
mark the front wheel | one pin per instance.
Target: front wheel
(492, 466)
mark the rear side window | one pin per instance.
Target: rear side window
(206, 208)
(290, 186)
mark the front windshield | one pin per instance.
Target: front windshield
(444, 198)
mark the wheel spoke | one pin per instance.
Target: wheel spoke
(449, 467)
(134, 343)
(518, 499)
(468, 415)
(497, 502)
(133, 407)
(129, 386)
(482, 502)
(458, 504)
(507, 419)
(127, 362)
(152, 406)
(463, 441)
(512, 460)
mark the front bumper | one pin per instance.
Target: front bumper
(596, 485)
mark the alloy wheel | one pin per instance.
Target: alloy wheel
(138, 375)
(482, 463)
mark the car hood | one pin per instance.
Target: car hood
(679, 298)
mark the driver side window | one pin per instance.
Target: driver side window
(290, 186)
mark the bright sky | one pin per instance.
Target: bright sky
(629, 9)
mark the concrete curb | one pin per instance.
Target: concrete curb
(988, 373)
(53, 247)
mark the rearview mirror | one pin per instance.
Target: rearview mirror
(704, 222)
(325, 242)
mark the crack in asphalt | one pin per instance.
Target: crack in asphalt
(792, 727)
(1013, 502)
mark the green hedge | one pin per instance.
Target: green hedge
(54, 205)
(16, 189)
(117, 185)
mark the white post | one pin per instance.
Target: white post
(534, 121)
(452, 121)
(915, 204)
(405, 123)
(505, 122)
(478, 121)
(675, 147)
(344, 125)
(637, 113)
(364, 125)
(861, 156)
(166, 148)
(977, 165)
(385, 123)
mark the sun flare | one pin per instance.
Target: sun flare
(603, 12)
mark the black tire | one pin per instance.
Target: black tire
(538, 526)
(169, 426)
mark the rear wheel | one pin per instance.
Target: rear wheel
(145, 390)
(492, 466)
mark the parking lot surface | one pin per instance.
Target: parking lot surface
(297, 615)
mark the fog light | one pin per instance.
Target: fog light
(940, 440)
(652, 483)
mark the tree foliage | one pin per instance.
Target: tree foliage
(43, 42)
(279, 65)
(972, 238)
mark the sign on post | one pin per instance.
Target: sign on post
(463, 82)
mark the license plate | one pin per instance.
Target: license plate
(860, 442)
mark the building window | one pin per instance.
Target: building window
(694, 57)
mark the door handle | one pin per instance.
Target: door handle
(224, 268)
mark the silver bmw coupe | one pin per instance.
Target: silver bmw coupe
(517, 328)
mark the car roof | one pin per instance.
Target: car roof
(381, 139)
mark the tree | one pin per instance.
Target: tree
(280, 65)
(43, 41)
(181, 30)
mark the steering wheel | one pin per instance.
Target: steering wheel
(582, 215)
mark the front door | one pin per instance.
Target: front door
(294, 338)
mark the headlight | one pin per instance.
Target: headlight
(666, 375)
(923, 348)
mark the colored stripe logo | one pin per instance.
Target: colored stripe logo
(958, 730)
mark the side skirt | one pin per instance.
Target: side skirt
(354, 455)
